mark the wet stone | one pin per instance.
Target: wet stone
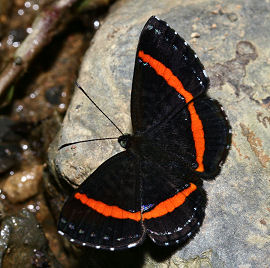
(10, 150)
(2, 209)
(5, 7)
(4, 238)
(22, 237)
(9, 155)
(18, 34)
(7, 134)
(53, 95)
(39, 259)
(23, 185)
(18, 61)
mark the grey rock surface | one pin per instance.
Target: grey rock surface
(232, 40)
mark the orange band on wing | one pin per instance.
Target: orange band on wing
(106, 210)
(170, 204)
(161, 209)
(196, 123)
(198, 136)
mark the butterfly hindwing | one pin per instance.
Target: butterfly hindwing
(216, 133)
(167, 75)
(105, 211)
(173, 207)
(199, 134)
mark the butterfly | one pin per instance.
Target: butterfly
(180, 136)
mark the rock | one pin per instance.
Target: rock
(10, 150)
(39, 259)
(4, 239)
(51, 91)
(17, 34)
(9, 155)
(232, 17)
(2, 207)
(23, 244)
(23, 185)
(195, 35)
(206, 260)
(5, 9)
(235, 56)
(53, 95)
(65, 252)
(6, 131)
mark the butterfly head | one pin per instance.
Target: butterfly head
(124, 140)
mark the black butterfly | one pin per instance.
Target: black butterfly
(179, 136)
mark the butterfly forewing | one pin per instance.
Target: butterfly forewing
(169, 104)
(167, 75)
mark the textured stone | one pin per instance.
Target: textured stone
(206, 260)
(236, 55)
(23, 244)
(23, 185)
(10, 150)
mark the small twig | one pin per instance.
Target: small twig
(46, 25)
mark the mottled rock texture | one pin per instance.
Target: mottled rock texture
(23, 244)
(23, 185)
(232, 40)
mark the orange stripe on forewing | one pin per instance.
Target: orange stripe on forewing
(196, 123)
(169, 204)
(198, 136)
(106, 210)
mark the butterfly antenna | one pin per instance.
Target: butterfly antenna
(76, 142)
(76, 83)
